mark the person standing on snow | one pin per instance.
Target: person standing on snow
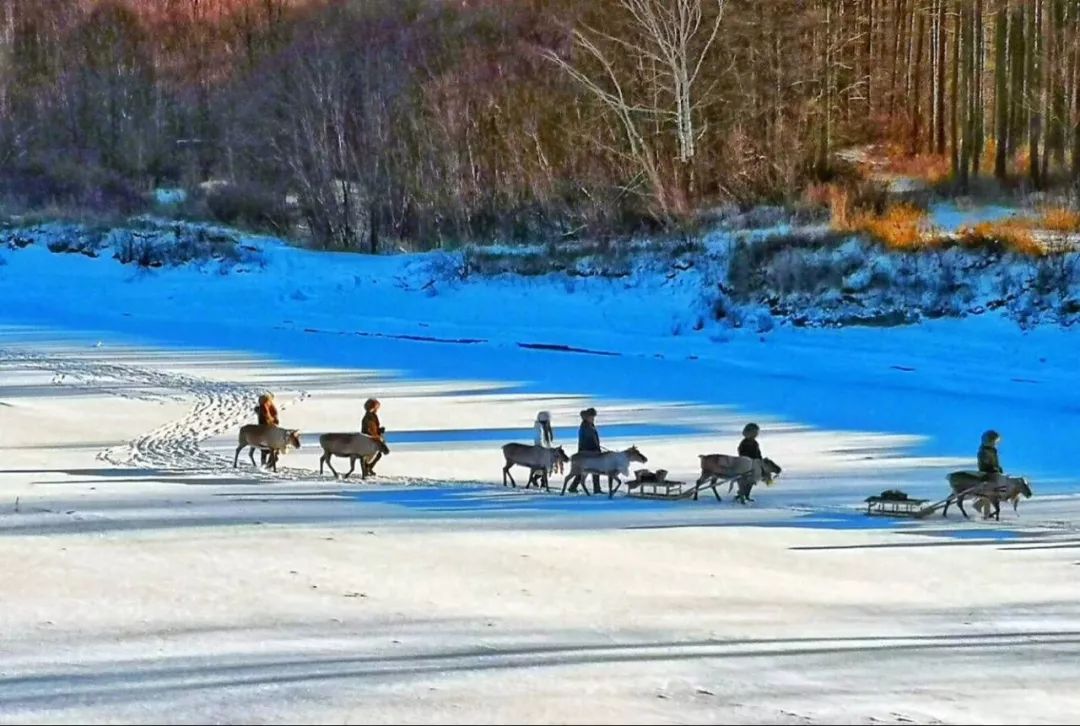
(371, 427)
(544, 436)
(750, 449)
(267, 414)
(542, 433)
(266, 411)
(588, 443)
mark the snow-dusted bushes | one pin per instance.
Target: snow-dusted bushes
(144, 243)
(830, 281)
(807, 277)
(599, 259)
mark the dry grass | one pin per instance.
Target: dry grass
(931, 168)
(906, 228)
(1013, 234)
(1059, 219)
(901, 227)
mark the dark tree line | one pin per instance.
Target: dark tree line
(360, 122)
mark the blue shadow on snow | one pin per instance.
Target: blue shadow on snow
(478, 499)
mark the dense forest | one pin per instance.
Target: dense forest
(361, 122)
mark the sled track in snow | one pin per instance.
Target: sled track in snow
(220, 407)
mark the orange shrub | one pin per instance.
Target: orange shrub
(931, 168)
(901, 227)
(1013, 234)
(1059, 219)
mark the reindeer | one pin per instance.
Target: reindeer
(272, 438)
(352, 447)
(539, 460)
(987, 492)
(722, 467)
(609, 463)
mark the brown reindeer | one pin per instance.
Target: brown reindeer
(609, 463)
(272, 438)
(987, 492)
(539, 460)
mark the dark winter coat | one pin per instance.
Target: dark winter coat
(988, 460)
(588, 438)
(750, 449)
(371, 426)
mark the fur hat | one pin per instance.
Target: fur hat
(588, 412)
(991, 437)
(543, 417)
(370, 404)
(265, 398)
(750, 428)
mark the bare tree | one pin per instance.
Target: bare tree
(670, 38)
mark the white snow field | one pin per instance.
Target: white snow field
(147, 580)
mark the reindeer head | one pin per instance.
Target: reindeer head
(292, 438)
(636, 455)
(770, 469)
(1023, 487)
(560, 456)
(383, 447)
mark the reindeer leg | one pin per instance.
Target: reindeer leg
(330, 463)
(236, 459)
(251, 455)
(544, 480)
(613, 484)
(506, 472)
(352, 468)
(960, 503)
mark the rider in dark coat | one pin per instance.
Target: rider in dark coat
(989, 463)
(588, 442)
(750, 448)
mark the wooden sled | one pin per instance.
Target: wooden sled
(645, 487)
(881, 507)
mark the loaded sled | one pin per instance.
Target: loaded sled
(656, 485)
(895, 503)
